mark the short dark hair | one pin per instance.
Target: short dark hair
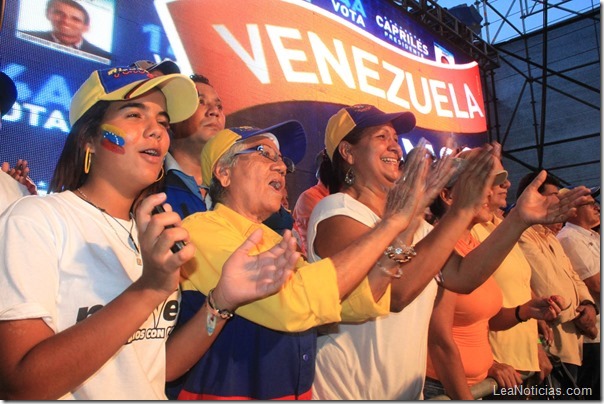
(200, 78)
(527, 179)
(70, 3)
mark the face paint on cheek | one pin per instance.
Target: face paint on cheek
(113, 139)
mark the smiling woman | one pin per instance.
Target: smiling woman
(274, 337)
(100, 295)
(361, 142)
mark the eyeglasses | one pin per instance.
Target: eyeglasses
(270, 154)
(593, 204)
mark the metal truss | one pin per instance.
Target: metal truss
(538, 79)
(535, 76)
(445, 25)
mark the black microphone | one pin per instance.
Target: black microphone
(179, 244)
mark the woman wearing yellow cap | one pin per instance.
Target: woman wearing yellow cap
(89, 294)
(267, 350)
(385, 358)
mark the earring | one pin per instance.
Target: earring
(161, 174)
(349, 178)
(87, 160)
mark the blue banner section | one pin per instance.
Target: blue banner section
(383, 20)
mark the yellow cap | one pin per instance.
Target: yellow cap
(290, 136)
(363, 116)
(213, 150)
(124, 83)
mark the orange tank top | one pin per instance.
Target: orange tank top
(471, 323)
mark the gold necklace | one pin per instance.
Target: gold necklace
(104, 214)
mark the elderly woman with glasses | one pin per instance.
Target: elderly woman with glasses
(267, 348)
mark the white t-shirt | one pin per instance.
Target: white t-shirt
(380, 359)
(10, 190)
(60, 260)
(582, 246)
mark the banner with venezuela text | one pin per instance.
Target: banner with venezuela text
(271, 51)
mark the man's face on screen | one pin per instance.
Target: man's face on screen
(68, 23)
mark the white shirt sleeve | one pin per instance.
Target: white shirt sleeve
(29, 278)
(583, 256)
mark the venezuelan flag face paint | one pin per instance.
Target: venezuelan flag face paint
(113, 139)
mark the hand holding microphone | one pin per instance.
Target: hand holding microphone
(179, 244)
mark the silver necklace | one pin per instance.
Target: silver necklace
(104, 214)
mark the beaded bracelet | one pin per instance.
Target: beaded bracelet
(397, 274)
(214, 312)
(406, 252)
(222, 313)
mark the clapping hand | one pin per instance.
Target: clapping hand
(438, 176)
(475, 181)
(404, 198)
(246, 278)
(534, 208)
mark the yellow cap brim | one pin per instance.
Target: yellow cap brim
(180, 93)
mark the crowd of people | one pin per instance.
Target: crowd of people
(223, 292)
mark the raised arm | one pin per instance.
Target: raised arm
(338, 232)
(309, 298)
(353, 263)
(531, 208)
(436, 248)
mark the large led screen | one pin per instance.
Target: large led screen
(269, 60)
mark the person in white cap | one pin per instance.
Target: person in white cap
(89, 294)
